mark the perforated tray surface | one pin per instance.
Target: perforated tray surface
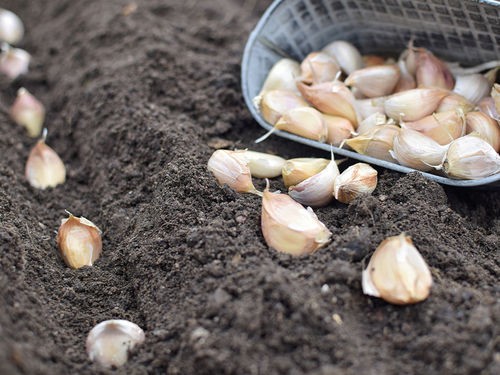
(466, 31)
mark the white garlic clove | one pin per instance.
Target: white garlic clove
(487, 106)
(432, 72)
(374, 81)
(454, 101)
(369, 107)
(473, 87)
(412, 105)
(376, 142)
(346, 55)
(306, 122)
(231, 171)
(442, 127)
(295, 171)
(318, 67)
(79, 241)
(397, 273)
(282, 76)
(338, 129)
(110, 341)
(415, 150)
(11, 27)
(317, 190)
(485, 126)
(371, 121)
(470, 158)
(44, 168)
(261, 165)
(359, 179)
(276, 103)
(290, 228)
(14, 61)
(27, 111)
(406, 80)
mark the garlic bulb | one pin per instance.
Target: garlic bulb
(359, 179)
(375, 142)
(261, 165)
(318, 67)
(232, 171)
(397, 273)
(44, 168)
(454, 101)
(442, 127)
(338, 129)
(79, 241)
(431, 71)
(486, 127)
(317, 190)
(282, 76)
(471, 158)
(276, 103)
(473, 87)
(374, 81)
(295, 171)
(346, 55)
(414, 104)
(27, 111)
(11, 27)
(416, 150)
(109, 342)
(14, 61)
(290, 228)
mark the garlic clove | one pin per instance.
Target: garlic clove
(276, 103)
(306, 122)
(232, 171)
(454, 101)
(346, 55)
(261, 165)
(11, 27)
(432, 72)
(406, 80)
(373, 60)
(282, 76)
(79, 241)
(495, 94)
(368, 107)
(412, 105)
(397, 273)
(359, 179)
(487, 106)
(318, 67)
(485, 126)
(28, 112)
(473, 87)
(376, 142)
(372, 121)
(110, 341)
(442, 127)
(317, 190)
(415, 150)
(338, 128)
(14, 61)
(331, 98)
(410, 56)
(374, 81)
(470, 158)
(44, 168)
(295, 171)
(290, 228)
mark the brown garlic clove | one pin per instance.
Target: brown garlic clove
(27, 111)
(44, 168)
(359, 179)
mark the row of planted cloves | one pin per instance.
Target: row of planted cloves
(396, 272)
(78, 239)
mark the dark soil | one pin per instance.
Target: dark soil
(135, 106)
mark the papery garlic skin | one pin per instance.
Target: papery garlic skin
(232, 171)
(261, 165)
(415, 150)
(27, 111)
(473, 87)
(11, 27)
(14, 61)
(346, 55)
(44, 168)
(374, 81)
(79, 242)
(318, 67)
(295, 171)
(110, 341)
(290, 228)
(317, 190)
(359, 179)
(276, 103)
(486, 127)
(397, 272)
(470, 158)
(376, 142)
(412, 105)
(306, 122)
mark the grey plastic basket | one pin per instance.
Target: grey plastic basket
(466, 31)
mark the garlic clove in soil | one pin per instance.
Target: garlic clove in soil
(473, 87)
(27, 111)
(110, 341)
(359, 179)
(443, 127)
(11, 27)
(232, 171)
(470, 158)
(485, 126)
(261, 165)
(295, 171)
(412, 105)
(375, 142)
(44, 168)
(290, 228)
(318, 67)
(346, 55)
(374, 81)
(79, 241)
(317, 190)
(276, 103)
(397, 273)
(14, 61)
(281, 77)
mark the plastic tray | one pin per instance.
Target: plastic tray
(466, 31)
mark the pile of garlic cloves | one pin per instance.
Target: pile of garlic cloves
(411, 111)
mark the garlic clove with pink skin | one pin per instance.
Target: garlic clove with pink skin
(442, 127)
(376, 142)
(359, 179)
(432, 72)
(318, 67)
(412, 105)
(14, 61)
(485, 126)
(453, 101)
(28, 112)
(406, 80)
(338, 129)
(44, 168)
